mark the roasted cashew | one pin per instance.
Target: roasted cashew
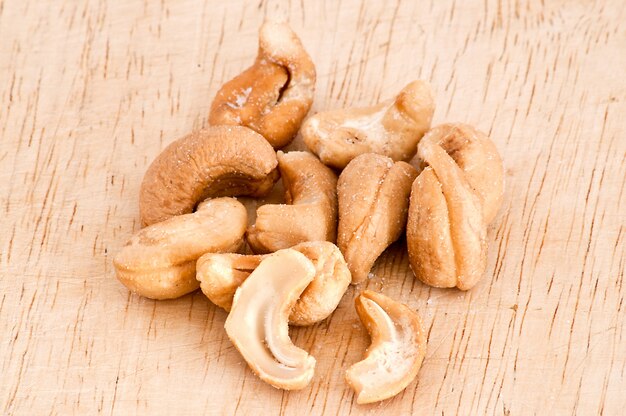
(218, 161)
(159, 262)
(392, 128)
(373, 201)
(452, 201)
(221, 274)
(273, 96)
(257, 323)
(396, 352)
(311, 210)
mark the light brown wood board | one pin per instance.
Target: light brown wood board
(92, 91)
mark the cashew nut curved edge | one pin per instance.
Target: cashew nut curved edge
(392, 128)
(257, 322)
(373, 195)
(310, 213)
(221, 274)
(217, 161)
(273, 96)
(452, 200)
(396, 352)
(159, 262)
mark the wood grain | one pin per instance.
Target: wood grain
(93, 90)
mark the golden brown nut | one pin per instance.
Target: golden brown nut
(221, 274)
(396, 352)
(257, 322)
(311, 210)
(392, 128)
(373, 201)
(218, 161)
(273, 96)
(452, 201)
(159, 262)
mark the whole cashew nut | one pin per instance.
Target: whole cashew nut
(392, 128)
(452, 201)
(311, 210)
(396, 353)
(218, 161)
(221, 274)
(159, 262)
(257, 322)
(273, 96)
(373, 202)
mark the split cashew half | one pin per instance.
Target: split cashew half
(159, 262)
(218, 161)
(453, 199)
(311, 210)
(257, 322)
(396, 353)
(373, 202)
(221, 274)
(392, 128)
(273, 96)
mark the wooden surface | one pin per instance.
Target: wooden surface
(92, 91)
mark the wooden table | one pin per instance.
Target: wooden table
(92, 91)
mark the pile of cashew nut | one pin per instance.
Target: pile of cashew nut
(371, 175)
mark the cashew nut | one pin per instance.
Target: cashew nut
(273, 96)
(257, 323)
(218, 161)
(221, 274)
(311, 192)
(452, 201)
(373, 201)
(159, 262)
(396, 352)
(392, 128)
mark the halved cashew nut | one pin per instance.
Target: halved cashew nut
(311, 210)
(392, 128)
(218, 161)
(373, 202)
(159, 262)
(452, 201)
(257, 323)
(221, 274)
(396, 352)
(273, 96)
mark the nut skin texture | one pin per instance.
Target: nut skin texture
(159, 262)
(273, 96)
(392, 128)
(453, 200)
(213, 162)
(221, 274)
(311, 210)
(396, 352)
(373, 195)
(257, 322)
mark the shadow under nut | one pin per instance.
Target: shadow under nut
(273, 96)
(452, 201)
(213, 162)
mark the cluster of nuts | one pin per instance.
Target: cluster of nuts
(194, 229)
